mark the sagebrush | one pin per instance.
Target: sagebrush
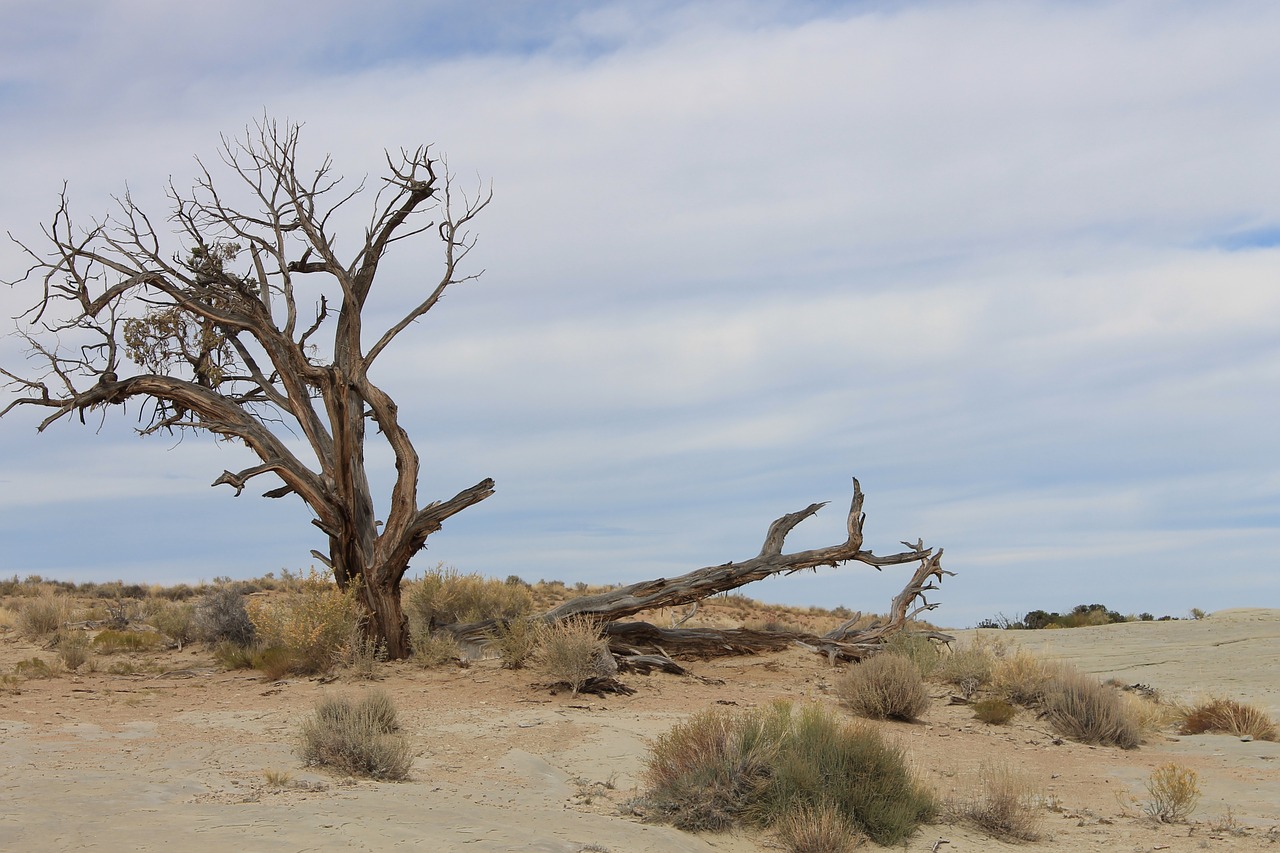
(884, 686)
(359, 738)
(1082, 708)
(768, 766)
(572, 652)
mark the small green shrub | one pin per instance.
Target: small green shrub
(357, 738)
(274, 662)
(1006, 804)
(1174, 791)
(884, 686)
(1228, 716)
(993, 711)
(1083, 709)
(770, 765)
(571, 652)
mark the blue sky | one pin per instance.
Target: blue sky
(1014, 266)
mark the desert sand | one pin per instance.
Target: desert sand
(176, 761)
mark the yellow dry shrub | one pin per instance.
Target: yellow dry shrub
(1022, 677)
(313, 625)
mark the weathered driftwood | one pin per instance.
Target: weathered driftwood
(843, 643)
(702, 583)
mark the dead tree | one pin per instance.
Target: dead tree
(247, 323)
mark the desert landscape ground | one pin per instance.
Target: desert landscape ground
(181, 754)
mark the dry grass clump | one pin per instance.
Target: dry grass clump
(175, 619)
(1174, 791)
(357, 738)
(443, 596)
(313, 626)
(1004, 803)
(73, 649)
(1084, 709)
(1022, 677)
(884, 686)
(434, 649)
(571, 652)
(516, 641)
(774, 766)
(818, 829)
(969, 667)
(917, 648)
(42, 615)
(1228, 716)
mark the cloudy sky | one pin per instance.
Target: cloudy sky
(1015, 266)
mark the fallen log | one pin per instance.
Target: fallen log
(843, 643)
(699, 584)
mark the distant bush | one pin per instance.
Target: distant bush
(1081, 708)
(571, 652)
(443, 596)
(358, 738)
(884, 686)
(1229, 717)
(774, 766)
(220, 616)
(1174, 791)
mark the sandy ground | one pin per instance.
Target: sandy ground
(177, 761)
